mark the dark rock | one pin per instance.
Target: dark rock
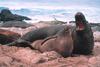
(6, 15)
(20, 24)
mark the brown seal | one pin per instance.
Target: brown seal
(61, 43)
(8, 36)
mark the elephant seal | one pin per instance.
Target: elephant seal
(42, 33)
(8, 36)
(61, 43)
(82, 36)
(39, 33)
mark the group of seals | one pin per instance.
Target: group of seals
(82, 36)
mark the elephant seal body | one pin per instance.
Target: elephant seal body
(42, 33)
(8, 36)
(38, 34)
(83, 36)
(61, 43)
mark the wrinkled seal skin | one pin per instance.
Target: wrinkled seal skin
(61, 43)
(8, 36)
(83, 39)
(42, 33)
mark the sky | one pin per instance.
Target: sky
(63, 10)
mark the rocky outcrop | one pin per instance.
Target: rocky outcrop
(7, 15)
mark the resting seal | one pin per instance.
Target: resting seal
(8, 36)
(61, 43)
(40, 33)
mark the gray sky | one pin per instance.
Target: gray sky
(64, 9)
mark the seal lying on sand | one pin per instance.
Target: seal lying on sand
(61, 43)
(8, 36)
(83, 36)
(42, 33)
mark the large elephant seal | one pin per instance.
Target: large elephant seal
(61, 43)
(42, 33)
(83, 36)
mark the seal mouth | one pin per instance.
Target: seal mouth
(80, 26)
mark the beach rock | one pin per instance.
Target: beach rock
(96, 36)
(7, 15)
(20, 24)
